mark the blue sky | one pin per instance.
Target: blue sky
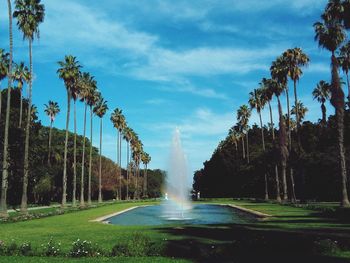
(167, 64)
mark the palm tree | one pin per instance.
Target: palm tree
(267, 87)
(234, 137)
(145, 158)
(5, 162)
(295, 58)
(93, 98)
(257, 101)
(29, 14)
(75, 95)
(100, 110)
(299, 110)
(21, 74)
(277, 88)
(51, 110)
(330, 34)
(127, 135)
(243, 115)
(136, 156)
(322, 93)
(119, 123)
(4, 66)
(69, 73)
(87, 84)
(344, 62)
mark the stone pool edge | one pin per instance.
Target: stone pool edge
(103, 219)
(250, 211)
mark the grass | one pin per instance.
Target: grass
(291, 231)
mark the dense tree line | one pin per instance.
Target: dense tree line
(80, 86)
(295, 154)
(45, 182)
(228, 174)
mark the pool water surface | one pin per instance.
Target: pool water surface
(201, 214)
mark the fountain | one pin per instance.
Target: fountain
(176, 204)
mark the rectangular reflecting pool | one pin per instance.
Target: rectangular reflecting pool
(201, 214)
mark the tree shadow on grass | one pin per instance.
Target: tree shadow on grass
(244, 243)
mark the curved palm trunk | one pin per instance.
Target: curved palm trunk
(20, 109)
(64, 185)
(82, 201)
(90, 159)
(49, 150)
(100, 168)
(337, 101)
(277, 180)
(247, 140)
(283, 149)
(74, 197)
(5, 162)
(26, 145)
(127, 170)
(263, 145)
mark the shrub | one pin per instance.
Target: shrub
(52, 249)
(84, 249)
(325, 246)
(25, 249)
(12, 249)
(138, 246)
(2, 248)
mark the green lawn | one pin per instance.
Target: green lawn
(287, 227)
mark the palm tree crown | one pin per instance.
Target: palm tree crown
(69, 72)
(29, 14)
(4, 63)
(52, 109)
(322, 92)
(21, 74)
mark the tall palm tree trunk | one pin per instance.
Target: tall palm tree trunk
(243, 147)
(100, 168)
(145, 182)
(74, 197)
(324, 114)
(277, 180)
(263, 145)
(20, 109)
(127, 170)
(26, 145)
(283, 149)
(82, 199)
(348, 82)
(247, 140)
(118, 191)
(49, 150)
(120, 165)
(64, 184)
(90, 159)
(291, 171)
(0, 100)
(5, 162)
(337, 100)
